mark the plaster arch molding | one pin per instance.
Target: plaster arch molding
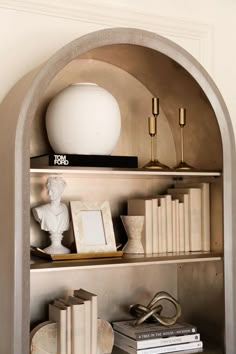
(14, 187)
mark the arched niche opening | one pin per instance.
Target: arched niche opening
(133, 74)
(149, 65)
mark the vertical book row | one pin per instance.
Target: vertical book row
(76, 318)
(178, 221)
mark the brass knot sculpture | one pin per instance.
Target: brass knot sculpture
(153, 310)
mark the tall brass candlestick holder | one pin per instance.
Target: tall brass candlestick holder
(152, 129)
(182, 166)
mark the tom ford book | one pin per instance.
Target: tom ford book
(71, 160)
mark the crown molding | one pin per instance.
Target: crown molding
(195, 37)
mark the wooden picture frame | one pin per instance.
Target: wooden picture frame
(92, 226)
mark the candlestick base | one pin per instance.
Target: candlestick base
(156, 165)
(183, 166)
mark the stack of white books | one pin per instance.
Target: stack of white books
(178, 221)
(153, 338)
(76, 318)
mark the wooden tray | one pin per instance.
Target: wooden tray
(73, 256)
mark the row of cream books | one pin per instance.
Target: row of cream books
(76, 317)
(154, 338)
(178, 221)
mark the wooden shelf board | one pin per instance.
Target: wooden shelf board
(139, 172)
(38, 264)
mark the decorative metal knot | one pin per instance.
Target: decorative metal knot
(153, 310)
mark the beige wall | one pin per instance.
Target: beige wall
(32, 31)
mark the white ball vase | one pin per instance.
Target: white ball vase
(83, 118)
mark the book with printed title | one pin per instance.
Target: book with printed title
(152, 330)
(156, 342)
(160, 350)
(185, 351)
(73, 160)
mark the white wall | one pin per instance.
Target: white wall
(31, 31)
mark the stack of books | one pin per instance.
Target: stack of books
(177, 221)
(154, 338)
(76, 318)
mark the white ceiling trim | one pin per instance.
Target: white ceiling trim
(107, 14)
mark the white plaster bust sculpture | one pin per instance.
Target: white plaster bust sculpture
(54, 217)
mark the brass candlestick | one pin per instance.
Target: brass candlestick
(152, 129)
(182, 122)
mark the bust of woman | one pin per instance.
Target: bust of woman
(54, 217)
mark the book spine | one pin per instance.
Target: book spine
(165, 333)
(206, 242)
(155, 248)
(159, 350)
(205, 210)
(160, 234)
(64, 160)
(172, 348)
(169, 224)
(77, 329)
(186, 223)
(195, 219)
(177, 225)
(173, 207)
(169, 341)
(148, 225)
(181, 228)
(59, 316)
(86, 295)
(163, 220)
(157, 342)
(87, 326)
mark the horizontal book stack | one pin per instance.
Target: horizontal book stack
(178, 221)
(76, 318)
(154, 338)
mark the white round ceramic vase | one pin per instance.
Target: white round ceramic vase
(83, 118)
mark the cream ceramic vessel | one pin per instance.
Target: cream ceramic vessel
(83, 118)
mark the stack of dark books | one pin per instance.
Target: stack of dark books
(154, 338)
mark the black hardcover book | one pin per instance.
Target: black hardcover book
(64, 160)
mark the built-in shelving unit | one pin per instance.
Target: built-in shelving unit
(140, 276)
(82, 180)
(202, 282)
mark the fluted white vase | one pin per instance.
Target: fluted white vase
(83, 118)
(133, 226)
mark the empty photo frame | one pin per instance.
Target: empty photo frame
(92, 225)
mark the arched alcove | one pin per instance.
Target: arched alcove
(138, 54)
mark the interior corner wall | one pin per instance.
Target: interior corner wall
(32, 30)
